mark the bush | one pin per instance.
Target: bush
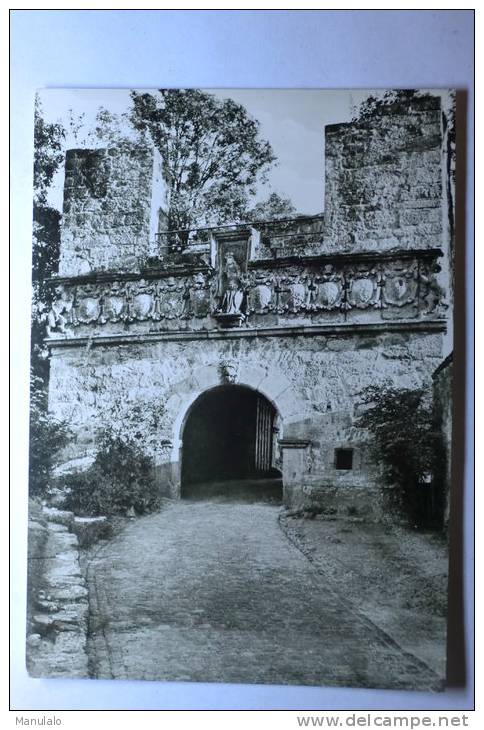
(48, 436)
(407, 448)
(120, 479)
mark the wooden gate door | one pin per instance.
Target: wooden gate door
(264, 435)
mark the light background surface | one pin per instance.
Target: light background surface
(216, 49)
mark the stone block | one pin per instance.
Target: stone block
(274, 385)
(62, 517)
(289, 404)
(207, 377)
(90, 530)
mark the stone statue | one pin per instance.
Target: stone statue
(228, 370)
(233, 294)
(60, 312)
(434, 295)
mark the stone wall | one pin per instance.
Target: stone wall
(57, 597)
(384, 179)
(112, 202)
(313, 382)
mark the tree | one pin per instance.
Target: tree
(383, 100)
(108, 130)
(275, 207)
(120, 479)
(48, 156)
(212, 154)
(406, 446)
(48, 436)
(48, 153)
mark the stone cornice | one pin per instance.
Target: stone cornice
(99, 277)
(294, 443)
(373, 257)
(346, 330)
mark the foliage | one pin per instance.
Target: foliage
(46, 231)
(108, 130)
(122, 474)
(48, 156)
(45, 257)
(404, 444)
(120, 479)
(48, 153)
(136, 422)
(48, 436)
(275, 207)
(211, 150)
(378, 103)
(395, 99)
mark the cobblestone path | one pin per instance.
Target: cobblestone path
(214, 591)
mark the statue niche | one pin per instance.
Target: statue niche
(232, 284)
(233, 294)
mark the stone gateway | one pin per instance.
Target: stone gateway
(239, 352)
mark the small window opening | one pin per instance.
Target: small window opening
(343, 459)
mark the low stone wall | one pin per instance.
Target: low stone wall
(335, 501)
(57, 613)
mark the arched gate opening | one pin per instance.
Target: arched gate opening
(229, 446)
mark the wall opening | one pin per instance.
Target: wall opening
(343, 459)
(228, 446)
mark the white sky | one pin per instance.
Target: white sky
(292, 121)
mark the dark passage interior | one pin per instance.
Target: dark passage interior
(228, 446)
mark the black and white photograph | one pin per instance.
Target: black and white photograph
(241, 386)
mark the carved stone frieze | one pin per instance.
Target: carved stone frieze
(293, 293)
(260, 295)
(431, 294)
(62, 313)
(390, 287)
(88, 304)
(114, 304)
(168, 299)
(141, 302)
(327, 289)
(400, 284)
(198, 296)
(363, 286)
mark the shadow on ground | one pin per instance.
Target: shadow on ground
(249, 491)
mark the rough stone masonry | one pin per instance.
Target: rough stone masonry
(305, 312)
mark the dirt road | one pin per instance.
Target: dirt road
(214, 591)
